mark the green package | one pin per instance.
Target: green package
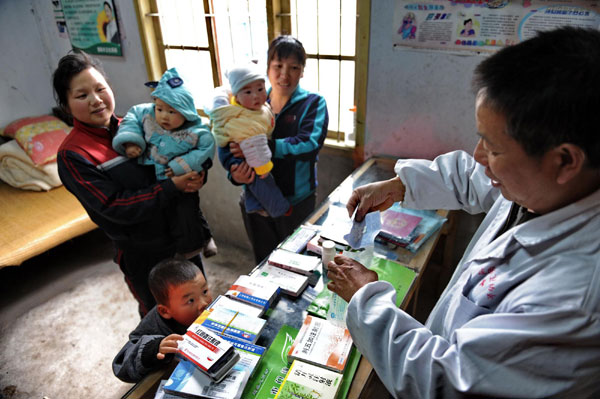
(272, 368)
(351, 367)
(320, 305)
(401, 277)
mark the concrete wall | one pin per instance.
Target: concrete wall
(27, 50)
(418, 103)
(31, 48)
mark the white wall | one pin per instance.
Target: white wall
(25, 66)
(419, 104)
(31, 48)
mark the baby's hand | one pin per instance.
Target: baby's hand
(236, 150)
(169, 172)
(132, 150)
(168, 345)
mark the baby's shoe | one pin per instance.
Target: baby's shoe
(257, 153)
(210, 249)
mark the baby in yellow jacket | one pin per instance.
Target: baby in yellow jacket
(241, 114)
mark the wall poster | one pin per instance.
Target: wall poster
(485, 25)
(92, 26)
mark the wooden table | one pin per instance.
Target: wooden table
(365, 383)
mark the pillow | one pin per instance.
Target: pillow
(39, 136)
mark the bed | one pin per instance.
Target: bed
(32, 222)
(36, 212)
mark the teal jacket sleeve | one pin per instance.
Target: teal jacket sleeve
(131, 128)
(312, 130)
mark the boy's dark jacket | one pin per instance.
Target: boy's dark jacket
(138, 357)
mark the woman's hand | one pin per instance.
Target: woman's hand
(236, 150)
(168, 345)
(377, 196)
(189, 182)
(242, 173)
(348, 276)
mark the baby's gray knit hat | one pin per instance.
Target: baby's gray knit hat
(240, 76)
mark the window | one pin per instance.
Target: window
(327, 29)
(204, 38)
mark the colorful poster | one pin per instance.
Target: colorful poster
(92, 26)
(485, 25)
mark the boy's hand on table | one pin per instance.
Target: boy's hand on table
(168, 345)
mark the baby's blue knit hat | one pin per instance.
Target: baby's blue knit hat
(240, 76)
(171, 90)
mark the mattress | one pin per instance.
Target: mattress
(31, 222)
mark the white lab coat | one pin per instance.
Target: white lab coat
(520, 316)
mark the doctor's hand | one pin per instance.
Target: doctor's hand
(348, 276)
(242, 173)
(377, 196)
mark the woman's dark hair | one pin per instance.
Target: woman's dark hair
(69, 66)
(285, 46)
(168, 273)
(548, 89)
(467, 21)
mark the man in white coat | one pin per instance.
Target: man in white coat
(520, 317)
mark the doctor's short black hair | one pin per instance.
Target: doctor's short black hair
(168, 273)
(548, 89)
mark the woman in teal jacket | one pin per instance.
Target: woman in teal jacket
(301, 121)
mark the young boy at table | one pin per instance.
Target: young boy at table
(181, 294)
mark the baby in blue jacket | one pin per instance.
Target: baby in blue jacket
(170, 135)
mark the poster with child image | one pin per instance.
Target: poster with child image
(92, 26)
(484, 25)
